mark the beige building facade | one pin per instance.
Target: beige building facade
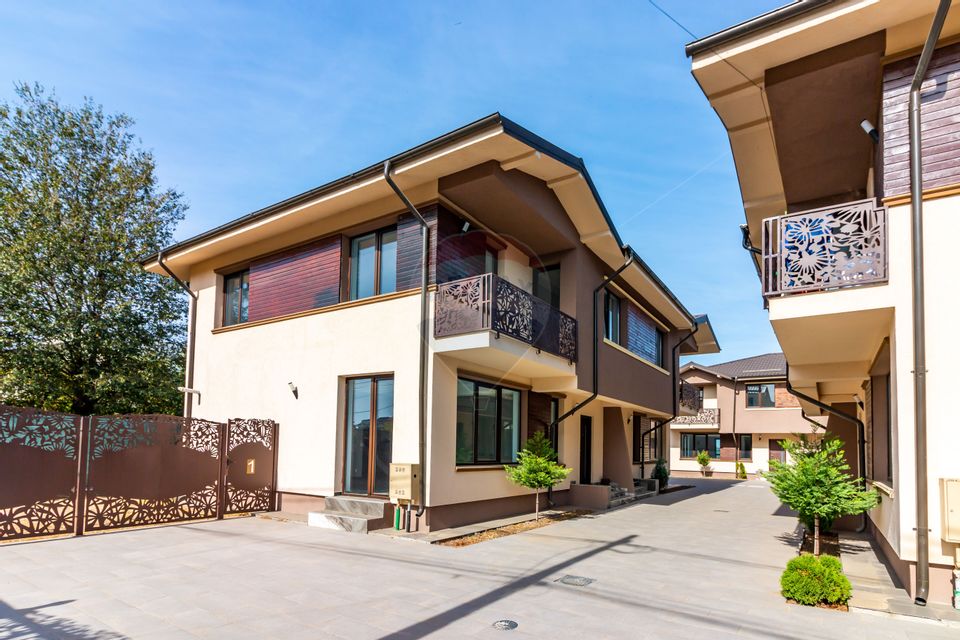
(815, 98)
(536, 316)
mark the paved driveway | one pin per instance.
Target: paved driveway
(700, 563)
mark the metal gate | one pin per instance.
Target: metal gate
(63, 474)
(39, 467)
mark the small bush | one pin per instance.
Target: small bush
(703, 459)
(661, 472)
(741, 471)
(810, 580)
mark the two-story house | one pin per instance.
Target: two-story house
(745, 413)
(845, 143)
(533, 315)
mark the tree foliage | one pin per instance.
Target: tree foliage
(817, 483)
(82, 327)
(536, 467)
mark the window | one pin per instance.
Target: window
(745, 441)
(611, 325)
(760, 396)
(554, 434)
(546, 285)
(647, 450)
(373, 264)
(368, 447)
(488, 423)
(490, 260)
(236, 295)
(693, 443)
(700, 397)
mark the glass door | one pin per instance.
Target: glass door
(368, 445)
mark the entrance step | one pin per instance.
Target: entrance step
(354, 514)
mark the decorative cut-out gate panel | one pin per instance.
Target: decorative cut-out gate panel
(38, 472)
(129, 471)
(147, 470)
(250, 466)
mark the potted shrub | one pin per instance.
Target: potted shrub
(661, 473)
(817, 484)
(537, 467)
(703, 459)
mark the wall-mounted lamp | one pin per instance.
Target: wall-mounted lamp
(466, 226)
(870, 130)
(293, 390)
(193, 392)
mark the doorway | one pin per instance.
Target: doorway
(586, 448)
(368, 442)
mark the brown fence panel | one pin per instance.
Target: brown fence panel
(151, 469)
(251, 464)
(39, 458)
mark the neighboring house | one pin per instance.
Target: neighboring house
(828, 208)
(308, 312)
(746, 413)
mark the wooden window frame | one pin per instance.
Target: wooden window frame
(377, 267)
(223, 297)
(739, 443)
(372, 448)
(759, 393)
(476, 423)
(607, 329)
(705, 448)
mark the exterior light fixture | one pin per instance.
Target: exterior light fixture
(870, 130)
(190, 391)
(466, 226)
(293, 390)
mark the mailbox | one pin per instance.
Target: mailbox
(950, 509)
(404, 482)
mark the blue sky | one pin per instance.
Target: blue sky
(244, 104)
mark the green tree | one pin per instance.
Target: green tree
(817, 484)
(536, 467)
(82, 327)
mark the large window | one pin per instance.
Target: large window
(546, 285)
(745, 440)
(611, 312)
(368, 446)
(373, 264)
(693, 443)
(236, 293)
(488, 423)
(760, 396)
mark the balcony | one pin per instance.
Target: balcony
(825, 249)
(490, 303)
(703, 419)
(690, 400)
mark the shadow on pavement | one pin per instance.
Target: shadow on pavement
(699, 487)
(31, 622)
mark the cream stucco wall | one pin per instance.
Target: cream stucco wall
(245, 373)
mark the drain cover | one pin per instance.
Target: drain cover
(575, 581)
(505, 625)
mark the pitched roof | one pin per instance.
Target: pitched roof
(767, 365)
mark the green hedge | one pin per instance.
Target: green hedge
(810, 580)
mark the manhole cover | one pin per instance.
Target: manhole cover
(575, 581)
(505, 625)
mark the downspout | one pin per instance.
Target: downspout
(736, 445)
(674, 375)
(630, 256)
(747, 244)
(191, 336)
(424, 336)
(922, 585)
(861, 451)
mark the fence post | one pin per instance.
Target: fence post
(222, 480)
(83, 462)
(275, 495)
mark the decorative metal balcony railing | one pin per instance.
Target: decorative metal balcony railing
(831, 248)
(488, 302)
(704, 417)
(689, 397)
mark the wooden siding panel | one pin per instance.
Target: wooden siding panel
(642, 336)
(940, 123)
(409, 248)
(459, 254)
(298, 279)
(538, 412)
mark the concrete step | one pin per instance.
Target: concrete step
(355, 505)
(343, 521)
(616, 501)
